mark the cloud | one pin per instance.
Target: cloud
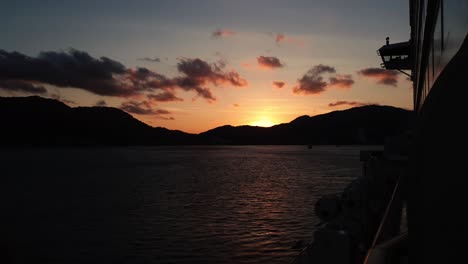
(278, 84)
(165, 118)
(282, 38)
(108, 77)
(101, 103)
(349, 103)
(383, 76)
(269, 62)
(147, 59)
(236, 105)
(312, 82)
(140, 108)
(199, 73)
(223, 33)
(310, 85)
(65, 69)
(63, 100)
(319, 69)
(144, 108)
(21, 86)
(165, 96)
(341, 81)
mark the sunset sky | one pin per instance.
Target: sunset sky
(196, 65)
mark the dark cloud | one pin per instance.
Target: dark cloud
(319, 69)
(142, 108)
(310, 85)
(165, 118)
(222, 33)
(313, 82)
(147, 59)
(235, 105)
(61, 99)
(269, 62)
(199, 73)
(278, 84)
(101, 103)
(21, 86)
(161, 111)
(196, 68)
(341, 81)
(383, 76)
(107, 77)
(165, 96)
(349, 103)
(65, 69)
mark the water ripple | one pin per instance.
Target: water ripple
(248, 204)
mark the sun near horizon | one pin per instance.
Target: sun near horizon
(197, 67)
(263, 122)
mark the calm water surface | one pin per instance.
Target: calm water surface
(220, 204)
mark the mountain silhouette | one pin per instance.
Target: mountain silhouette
(37, 121)
(359, 125)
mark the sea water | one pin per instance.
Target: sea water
(193, 204)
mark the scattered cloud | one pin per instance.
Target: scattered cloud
(319, 69)
(313, 82)
(341, 81)
(147, 59)
(269, 62)
(22, 86)
(282, 38)
(223, 33)
(142, 108)
(383, 76)
(199, 73)
(101, 103)
(164, 97)
(107, 77)
(61, 99)
(65, 69)
(348, 103)
(278, 84)
(165, 118)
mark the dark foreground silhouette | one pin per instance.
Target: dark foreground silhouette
(39, 121)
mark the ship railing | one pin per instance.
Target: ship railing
(386, 246)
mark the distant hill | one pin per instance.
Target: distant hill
(40, 121)
(360, 125)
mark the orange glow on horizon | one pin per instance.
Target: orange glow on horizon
(263, 122)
